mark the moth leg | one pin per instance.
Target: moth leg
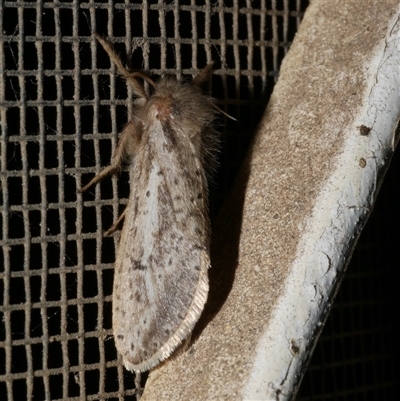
(126, 147)
(111, 169)
(115, 226)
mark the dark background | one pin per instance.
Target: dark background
(62, 110)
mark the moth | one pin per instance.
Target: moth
(161, 279)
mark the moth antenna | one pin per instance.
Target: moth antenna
(222, 112)
(141, 75)
(204, 75)
(128, 75)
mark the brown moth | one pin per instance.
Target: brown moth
(161, 279)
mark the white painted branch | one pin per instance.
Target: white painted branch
(283, 240)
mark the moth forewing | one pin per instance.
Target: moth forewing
(161, 280)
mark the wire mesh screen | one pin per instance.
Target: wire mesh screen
(62, 107)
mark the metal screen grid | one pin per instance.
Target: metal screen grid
(62, 107)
